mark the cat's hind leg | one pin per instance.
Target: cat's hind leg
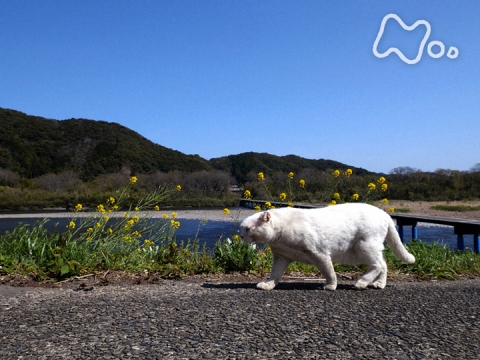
(279, 265)
(381, 281)
(376, 275)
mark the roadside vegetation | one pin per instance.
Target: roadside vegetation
(94, 242)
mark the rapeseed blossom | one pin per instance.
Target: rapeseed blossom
(78, 207)
(283, 196)
(260, 176)
(384, 187)
(156, 208)
(302, 183)
(71, 225)
(336, 195)
(226, 212)
(257, 208)
(179, 187)
(372, 186)
(133, 180)
(348, 172)
(381, 180)
(290, 175)
(355, 197)
(336, 173)
(247, 194)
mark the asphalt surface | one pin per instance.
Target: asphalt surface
(179, 320)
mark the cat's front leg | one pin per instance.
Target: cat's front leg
(325, 265)
(280, 263)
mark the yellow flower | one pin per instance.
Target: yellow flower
(106, 218)
(226, 212)
(260, 176)
(78, 207)
(110, 230)
(371, 186)
(137, 208)
(135, 218)
(336, 195)
(98, 225)
(348, 172)
(333, 202)
(355, 197)
(179, 187)
(71, 225)
(236, 238)
(257, 208)
(384, 187)
(115, 207)
(290, 204)
(175, 224)
(302, 183)
(268, 205)
(381, 180)
(247, 194)
(101, 208)
(89, 239)
(283, 196)
(336, 173)
(90, 230)
(111, 200)
(290, 175)
(385, 201)
(148, 243)
(391, 209)
(125, 214)
(130, 223)
(139, 251)
(156, 208)
(174, 214)
(128, 238)
(137, 234)
(165, 216)
(133, 180)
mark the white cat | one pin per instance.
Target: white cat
(348, 234)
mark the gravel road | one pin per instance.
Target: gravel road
(219, 320)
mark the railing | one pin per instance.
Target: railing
(460, 227)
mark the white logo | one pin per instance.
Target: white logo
(452, 51)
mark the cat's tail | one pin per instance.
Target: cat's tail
(393, 240)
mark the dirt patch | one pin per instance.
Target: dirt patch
(425, 208)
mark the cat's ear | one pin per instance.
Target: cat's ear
(265, 216)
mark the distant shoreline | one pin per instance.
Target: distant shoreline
(194, 214)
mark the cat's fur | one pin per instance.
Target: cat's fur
(348, 234)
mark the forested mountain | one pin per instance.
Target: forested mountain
(33, 146)
(242, 164)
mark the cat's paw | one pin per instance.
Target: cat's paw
(266, 285)
(379, 285)
(361, 285)
(330, 287)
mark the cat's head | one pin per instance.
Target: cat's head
(257, 228)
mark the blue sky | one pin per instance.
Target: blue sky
(217, 78)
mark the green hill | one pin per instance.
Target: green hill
(240, 165)
(32, 146)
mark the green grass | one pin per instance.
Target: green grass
(35, 251)
(402, 210)
(458, 208)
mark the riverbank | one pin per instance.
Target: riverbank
(414, 207)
